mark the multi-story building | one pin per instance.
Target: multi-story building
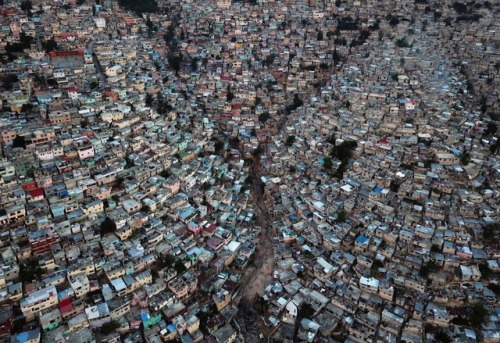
(39, 300)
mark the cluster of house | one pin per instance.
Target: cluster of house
(126, 145)
(98, 190)
(392, 249)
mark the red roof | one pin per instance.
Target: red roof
(5, 13)
(210, 228)
(65, 305)
(261, 133)
(36, 192)
(29, 185)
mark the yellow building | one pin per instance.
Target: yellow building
(39, 300)
(221, 299)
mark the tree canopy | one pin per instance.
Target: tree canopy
(344, 150)
(327, 163)
(290, 140)
(19, 142)
(49, 45)
(108, 226)
(109, 327)
(139, 7)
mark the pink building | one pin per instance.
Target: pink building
(215, 243)
(194, 227)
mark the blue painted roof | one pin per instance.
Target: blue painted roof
(361, 239)
(22, 337)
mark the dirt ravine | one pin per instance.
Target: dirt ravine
(260, 274)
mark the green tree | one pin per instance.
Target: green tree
(107, 226)
(109, 328)
(30, 271)
(169, 36)
(179, 267)
(290, 140)
(27, 7)
(25, 39)
(258, 151)
(306, 311)
(491, 129)
(218, 146)
(442, 337)
(402, 43)
(139, 7)
(234, 142)
(339, 173)
(25, 108)
(264, 117)
(465, 158)
(341, 217)
(377, 264)
(428, 267)
(435, 248)
(149, 23)
(344, 151)
(491, 231)
(479, 315)
(495, 288)
(169, 260)
(460, 7)
(149, 99)
(327, 163)
(194, 63)
(50, 45)
(394, 186)
(19, 142)
(174, 62)
(262, 305)
(8, 81)
(229, 95)
(297, 102)
(363, 36)
(332, 139)
(485, 270)
(394, 21)
(270, 59)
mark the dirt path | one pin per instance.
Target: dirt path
(260, 275)
(257, 277)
